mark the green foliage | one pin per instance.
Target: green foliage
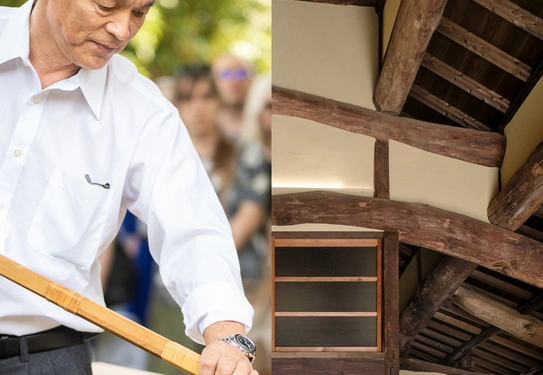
(180, 32)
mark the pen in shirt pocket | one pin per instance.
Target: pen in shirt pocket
(105, 186)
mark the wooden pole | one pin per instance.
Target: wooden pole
(170, 352)
(413, 29)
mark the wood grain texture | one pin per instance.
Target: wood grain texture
(484, 49)
(438, 287)
(381, 179)
(171, 352)
(516, 15)
(418, 365)
(524, 327)
(327, 366)
(490, 332)
(450, 233)
(446, 109)
(413, 29)
(521, 196)
(482, 148)
(391, 302)
(466, 83)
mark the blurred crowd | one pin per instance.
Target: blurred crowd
(226, 108)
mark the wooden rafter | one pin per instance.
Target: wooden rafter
(450, 233)
(522, 326)
(534, 304)
(413, 29)
(483, 148)
(417, 365)
(446, 109)
(521, 196)
(441, 284)
(484, 49)
(466, 83)
(516, 15)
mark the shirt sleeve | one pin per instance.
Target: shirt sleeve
(189, 235)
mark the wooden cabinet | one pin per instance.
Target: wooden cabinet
(328, 290)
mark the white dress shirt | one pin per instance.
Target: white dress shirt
(115, 126)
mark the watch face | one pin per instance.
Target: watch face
(246, 343)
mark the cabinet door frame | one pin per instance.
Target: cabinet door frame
(387, 300)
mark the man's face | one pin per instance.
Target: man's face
(233, 79)
(89, 32)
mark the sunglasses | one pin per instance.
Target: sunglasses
(231, 74)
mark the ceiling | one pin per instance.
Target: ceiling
(480, 65)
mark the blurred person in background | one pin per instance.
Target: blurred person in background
(250, 210)
(233, 76)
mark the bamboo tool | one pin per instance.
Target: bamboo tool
(170, 351)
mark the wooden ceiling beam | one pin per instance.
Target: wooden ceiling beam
(364, 3)
(521, 196)
(503, 362)
(484, 49)
(438, 286)
(466, 83)
(483, 148)
(522, 326)
(418, 365)
(418, 224)
(516, 15)
(413, 29)
(446, 109)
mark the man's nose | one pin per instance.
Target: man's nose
(119, 25)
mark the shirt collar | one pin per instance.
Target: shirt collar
(15, 43)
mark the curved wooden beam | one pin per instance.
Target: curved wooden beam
(472, 146)
(419, 224)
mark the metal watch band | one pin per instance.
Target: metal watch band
(233, 340)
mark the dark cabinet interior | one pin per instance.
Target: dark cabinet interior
(328, 302)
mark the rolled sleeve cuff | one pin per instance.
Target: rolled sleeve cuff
(212, 303)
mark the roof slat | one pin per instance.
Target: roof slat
(484, 49)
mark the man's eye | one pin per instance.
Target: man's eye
(105, 8)
(139, 13)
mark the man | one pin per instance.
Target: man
(233, 77)
(83, 139)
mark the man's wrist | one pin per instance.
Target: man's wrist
(222, 329)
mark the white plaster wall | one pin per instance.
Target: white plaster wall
(326, 50)
(451, 184)
(310, 155)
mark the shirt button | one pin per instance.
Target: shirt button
(17, 153)
(25, 63)
(36, 99)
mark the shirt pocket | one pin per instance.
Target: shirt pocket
(70, 219)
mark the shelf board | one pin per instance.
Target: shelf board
(319, 349)
(326, 354)
(338, 243)
(327, 313)
(300, 279)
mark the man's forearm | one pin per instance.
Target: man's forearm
(222, 329)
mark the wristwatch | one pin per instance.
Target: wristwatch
(243, 343)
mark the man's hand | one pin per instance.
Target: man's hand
(220, 358)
